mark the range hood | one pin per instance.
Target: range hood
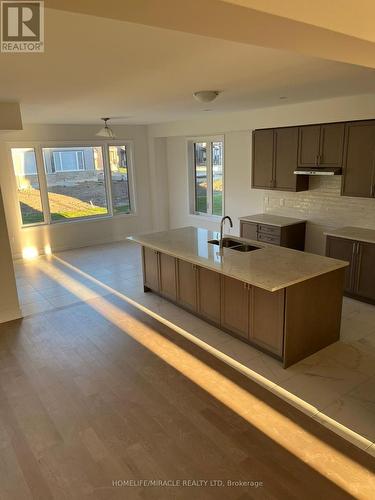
(318, 171)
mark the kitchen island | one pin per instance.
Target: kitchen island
(285, 302)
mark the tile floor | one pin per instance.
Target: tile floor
(335, 386)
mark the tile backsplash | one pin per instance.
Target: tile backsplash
(323, 208)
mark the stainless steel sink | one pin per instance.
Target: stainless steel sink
(235, 245)
(227, 242)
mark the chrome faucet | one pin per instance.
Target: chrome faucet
(222, 227)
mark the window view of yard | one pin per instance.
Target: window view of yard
(24, 164)
(209, 171)
(75, 182)
(118, 162)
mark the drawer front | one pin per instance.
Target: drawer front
(269, 238)
(273, 230)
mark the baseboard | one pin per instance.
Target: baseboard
(10, 315)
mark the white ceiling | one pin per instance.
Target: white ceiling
(97, 67)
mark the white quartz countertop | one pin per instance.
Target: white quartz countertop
(272, 220)
(270, 267)
(354, 233)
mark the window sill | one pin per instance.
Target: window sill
(75, 221)
(206, 216)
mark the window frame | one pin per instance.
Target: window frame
(131, 185)
(17, 206)
(191, 141)
(38, 147)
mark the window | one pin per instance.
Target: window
(118, 162)
(75, 182)
(68, 161)
(207, 161)
(29, 198)
(66, 183)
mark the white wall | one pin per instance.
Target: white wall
(322, 205)
(9, 306)
(61, 236)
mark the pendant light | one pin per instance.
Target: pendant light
(106, 131)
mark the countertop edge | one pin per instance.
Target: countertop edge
(257, 221)
(352, 238)
(212, 268)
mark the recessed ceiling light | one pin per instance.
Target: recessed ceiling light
(206, 95)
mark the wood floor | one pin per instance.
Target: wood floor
(98, 392)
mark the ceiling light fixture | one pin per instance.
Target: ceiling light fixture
(206, 95)
(106, 131)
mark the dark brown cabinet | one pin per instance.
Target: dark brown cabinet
(364, 285)
(263, 155)
(274, 322)
(208, 287)
(359, 160)
(321, 145)
(249, 230)
(187, 285)
(167, 276)
(286, 154)
(308, 151)
(342, 249)
(151, 268)
(292, 236)
(235, 306)
(275, 160)
(360, 275)
(267, 319)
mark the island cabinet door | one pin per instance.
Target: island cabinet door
(209, 294)
(267, 319)
(235, 306)
(167, 276)
(187, 285)
(151, 268)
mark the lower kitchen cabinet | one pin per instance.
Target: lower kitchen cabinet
(151, 268)
(267, 319)
(187, 284)
(235, 306)
(167, 276)
(364, 285)
(292, 236)
(360, 275)
(208, 288)
(339, 248)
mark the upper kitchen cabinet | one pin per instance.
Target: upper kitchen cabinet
(308, 151)
(285, 162)
(263, 156)
(359, 158)
(321, 145)
(275, 160)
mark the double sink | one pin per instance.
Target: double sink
(235, 245)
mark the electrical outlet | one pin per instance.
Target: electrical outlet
(282, 202)
(266, 200)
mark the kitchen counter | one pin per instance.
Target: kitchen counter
(270, 267)
(272, 220)
(354, 233)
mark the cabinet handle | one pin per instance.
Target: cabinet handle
(317, 160)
